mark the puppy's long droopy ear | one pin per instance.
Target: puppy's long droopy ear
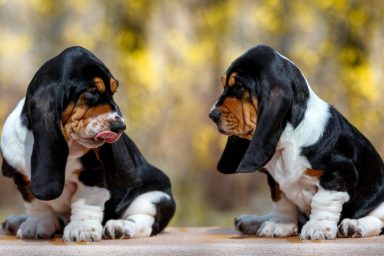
(274, 104)
(122, 162)
(50, 149)
(233, 154)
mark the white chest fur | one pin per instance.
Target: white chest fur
(16, 147)
(288, 166)
(17, 141)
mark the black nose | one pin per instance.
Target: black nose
(215, 115)
(117, 126)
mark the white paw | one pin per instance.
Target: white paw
(38, 228)
(118, 229)
(249, 224)
(319, 230)
(350, 228)
(84, 231)
(367, 226)
(277, 229)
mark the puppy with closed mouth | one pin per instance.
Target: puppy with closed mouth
(78, 172)
(323, 173)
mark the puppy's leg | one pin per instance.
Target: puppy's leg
(41, 222)
(326, 207)
(370, 225)
(147, 215)
(87, 208)
(281, 222)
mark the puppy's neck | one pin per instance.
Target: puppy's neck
(76, 150)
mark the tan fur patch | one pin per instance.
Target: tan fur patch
(232, 79)
(276, 192)
(67, 113)
(98, 110)
(75, 118)
(24, 186)
(250, 106)
(99, 84)
(239, 116)
(314, 173)
(113, 83)
(223, 80)
(274, 187)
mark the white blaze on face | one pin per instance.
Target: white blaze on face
(98, 130)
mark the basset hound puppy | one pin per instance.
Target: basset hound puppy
(323, 173)
(76, 169)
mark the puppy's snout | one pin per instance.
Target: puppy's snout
(215, 115)
(117, 125)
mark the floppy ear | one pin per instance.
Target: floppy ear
(274, 103)
(50, 149)
(232, 154)
(121, 161)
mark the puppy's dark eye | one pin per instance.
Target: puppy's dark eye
(91, 95)
(90, 92)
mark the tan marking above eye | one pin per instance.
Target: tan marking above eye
(99, 84)
(232, 79)
(114, 84)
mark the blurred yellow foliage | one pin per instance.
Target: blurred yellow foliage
(12, 44)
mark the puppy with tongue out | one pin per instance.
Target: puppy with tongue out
(65, 149)
(93, 119)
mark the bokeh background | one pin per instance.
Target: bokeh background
(169, 56)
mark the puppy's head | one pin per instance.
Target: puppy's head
(91, 116)
(69, 107)
(235, 113)
(262, 91)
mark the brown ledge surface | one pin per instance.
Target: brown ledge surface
(195, 241)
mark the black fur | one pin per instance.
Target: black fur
(232, 154)
(113, 159)
(273, 81)
(351, 164)
(56, 84)
(349, 161)
(120, 167)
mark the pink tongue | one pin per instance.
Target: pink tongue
(107, 136)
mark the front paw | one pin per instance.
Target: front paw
(249, 224)
(118, 229)
(83, 231)
(38, 228)
(350, 228)
(357, 228)
(277, 229)
(12, 224)
(319, 230)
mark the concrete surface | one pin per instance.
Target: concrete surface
(198, 241)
